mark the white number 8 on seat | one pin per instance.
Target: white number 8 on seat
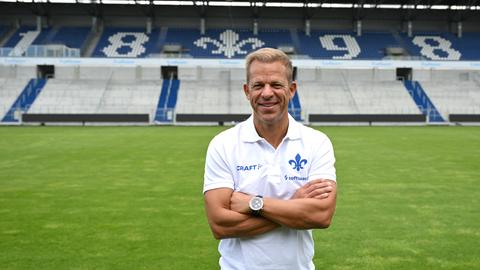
(428, 50)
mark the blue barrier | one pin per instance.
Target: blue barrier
(167, 101)
(25, 100)
(423, 102)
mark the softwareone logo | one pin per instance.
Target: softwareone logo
(297, 164)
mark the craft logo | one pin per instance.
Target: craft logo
(249, 167)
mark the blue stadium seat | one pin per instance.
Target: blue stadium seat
(468, 45)
(72, 37)
(127, 42)
(443, 46)
(226, 43)
(234, 43)
(346, 45)
(3, 30)
(19, 34)
(44, 36)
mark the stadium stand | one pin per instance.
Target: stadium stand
(340, 71)
(25, 100)
(211, 95)
(433, 46)
(21, 40)
(367, 91)
(126, 42)
(72, 37)
(97, 97)
(28, 41)
(211, 91)
(346, 45)
(454, 92)
(236, 43)
(78, 96)
(468, 45)
(443, 45)
(10, 90)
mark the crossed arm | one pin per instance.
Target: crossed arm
(312, 206)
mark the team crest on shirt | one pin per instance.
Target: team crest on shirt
(297, 163)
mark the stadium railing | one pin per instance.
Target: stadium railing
(42, 51)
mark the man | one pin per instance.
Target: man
(269, 180)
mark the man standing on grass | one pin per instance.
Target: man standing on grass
(269, 180)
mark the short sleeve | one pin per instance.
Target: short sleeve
(217, 173)
(323, 164)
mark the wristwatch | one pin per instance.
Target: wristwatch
(256, 205)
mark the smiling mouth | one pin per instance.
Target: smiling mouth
(268, 105)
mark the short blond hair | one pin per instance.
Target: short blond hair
(270, 55)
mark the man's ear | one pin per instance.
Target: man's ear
(246, 90)
(293, 89)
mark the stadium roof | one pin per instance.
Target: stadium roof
(360, 4)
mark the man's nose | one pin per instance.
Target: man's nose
(267, 91)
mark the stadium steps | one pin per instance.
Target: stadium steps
(162, 36)
(25, 99)
(423, 102)
(402, 42)
(348, 91)
(296, 40)
(7, 36)
(167, 101)
(28, 37)
(91, 43)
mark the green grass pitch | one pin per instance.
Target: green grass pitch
(131, 198)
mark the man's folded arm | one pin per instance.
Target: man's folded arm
(311, 207)
(226, 223)
(303, 213)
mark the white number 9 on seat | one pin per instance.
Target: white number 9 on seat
(351, 48)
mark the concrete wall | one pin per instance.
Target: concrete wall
(19, 72)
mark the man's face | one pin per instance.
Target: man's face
(269, 91)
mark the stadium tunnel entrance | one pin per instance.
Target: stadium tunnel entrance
(45, 71)
(404, 74)
(170, 72)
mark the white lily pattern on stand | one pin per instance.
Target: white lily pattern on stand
(229, 44)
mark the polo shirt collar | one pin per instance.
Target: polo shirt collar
(249, 133)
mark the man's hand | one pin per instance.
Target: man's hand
(226, 222)
(312, 206)
(239, 202)
(316, 189)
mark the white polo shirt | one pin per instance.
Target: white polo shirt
(240, 159)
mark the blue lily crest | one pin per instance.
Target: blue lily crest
(298, 163)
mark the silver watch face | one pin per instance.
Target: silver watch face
(256, 203)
